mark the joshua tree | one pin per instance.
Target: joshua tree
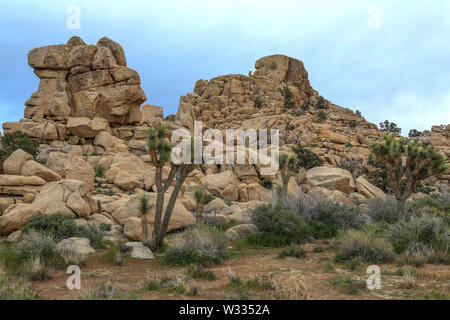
(201, 198)
(160, 154)
(407, 164)
(143, 207)
(288, 166)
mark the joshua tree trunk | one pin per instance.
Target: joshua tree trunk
(159, 205)
(181, 176)
(199, 215)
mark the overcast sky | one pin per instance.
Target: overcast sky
(389, 59)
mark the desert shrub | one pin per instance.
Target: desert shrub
(321, 104)
(306, 158)
(58, 225)
(105, 291)
(426, 232)
(266, 183)
(202, 244)
(321, 116)
(11, 142)
(362, 245)
(353, 124)
(278, 227)
(390, 127)
(325, 218)
(287, 96)
(382, 210)
(439, 205)
(15, 290)
(292, 251)
(62, 227)
(196, 271)
(114, 254)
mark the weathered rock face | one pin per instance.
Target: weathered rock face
(331, 178)
(16, 217)
(82, 80)
(254, 101)
(68, 197)
(72, 167)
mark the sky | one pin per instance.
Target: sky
(389, 59)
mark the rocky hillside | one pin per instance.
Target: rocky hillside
(93, 164)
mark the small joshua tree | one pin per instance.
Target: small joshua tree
(288, 166)
(160, 154)
(201, 198)
(143, 207)
(287, 95)
(408, 164)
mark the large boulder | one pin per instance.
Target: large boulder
(138, 250)
(241, 232)
(331, 178)
(13, 164)
(33, 168)
(223, 185)
(87, 128)
(368, 190)
(17, 217)
(8, 180)
(68, 197)
(78, 246)
(72, 168)
(181, 218)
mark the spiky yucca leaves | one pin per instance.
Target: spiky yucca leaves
(160, 151)
(288, 166)
(143, 207)
(201, 198)
(407, 163)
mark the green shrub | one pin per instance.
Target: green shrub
(58, 225)
(437, 205)
(62, 227)
(427, 232)
(325, 218)
(11, 142)
(362, 245)
(321, 104)
(201, 244)
(266, 183)
(306, 158)
(292, 251)
(278, 226)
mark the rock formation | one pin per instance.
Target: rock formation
(93, 163)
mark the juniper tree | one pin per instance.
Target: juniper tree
(288, 166)
(390, 127)
(287, 95)
(160, 151)
(10, 142)
(407, 163)
(306, 158)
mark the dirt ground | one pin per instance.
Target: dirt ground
(308, 278)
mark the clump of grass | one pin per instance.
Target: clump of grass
(329, 267)
(15, 290)
(245, 290)
(99, 171)
(199, 272)
(105, 291)
(349, 285)
(172, 283)
(292, 251)
(318, 250)
(364, 246)
(114, 254)
(202, 244)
